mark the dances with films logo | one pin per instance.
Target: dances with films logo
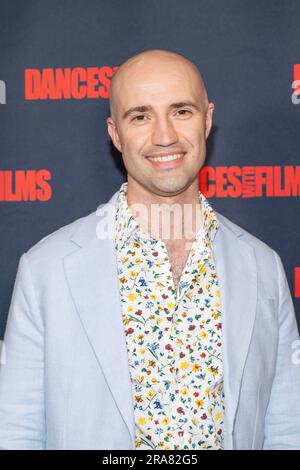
(58, 83)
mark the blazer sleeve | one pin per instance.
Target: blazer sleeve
(282, 421)
(22, 413)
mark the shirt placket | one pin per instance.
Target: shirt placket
(167, 342)
(170, 347)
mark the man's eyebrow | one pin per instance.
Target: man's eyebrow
(145, 108)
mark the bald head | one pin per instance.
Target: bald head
(143, 63)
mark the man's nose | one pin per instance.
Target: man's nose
(164, 132)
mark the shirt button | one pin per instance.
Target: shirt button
(177, 376)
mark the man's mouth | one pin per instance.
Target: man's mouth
(166, 159)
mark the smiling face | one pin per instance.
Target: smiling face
(160, 121)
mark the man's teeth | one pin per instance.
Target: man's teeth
(166, 158)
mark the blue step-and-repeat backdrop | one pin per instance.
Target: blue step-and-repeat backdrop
(57, 161)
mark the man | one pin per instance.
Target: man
(122, 334)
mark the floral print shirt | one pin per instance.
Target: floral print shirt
(173, 337)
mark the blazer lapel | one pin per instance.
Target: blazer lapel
(91, 273)
(236, 269)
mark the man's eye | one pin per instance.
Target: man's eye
(184, 111)
(137, 117)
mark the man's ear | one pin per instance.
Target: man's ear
(208, 122)
(112, 130)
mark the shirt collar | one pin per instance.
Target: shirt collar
(126, 224)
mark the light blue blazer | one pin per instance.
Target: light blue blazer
(65, 380)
